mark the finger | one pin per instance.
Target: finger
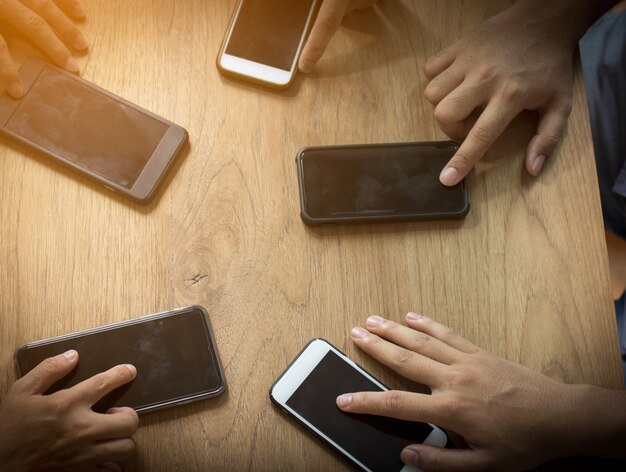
(67, 30)
(393, 404)
(412, 340)
(439, 62)
(117, 423)
(326, 25)
(441, 332)
(453, 111)
(47, 373)
(409, 364)
(436, 459)
(72, 7)
(443, 84)
(96, 387)
(489, 126)
(118, 450)
(9, 78)
(551, 125)
(38, 31)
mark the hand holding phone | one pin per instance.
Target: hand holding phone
(61, 430)
(308, 391)
(174, 352)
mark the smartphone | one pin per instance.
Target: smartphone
(174, 352)
(124, 147)
(307, 391)
(378, 182)
(264, 39)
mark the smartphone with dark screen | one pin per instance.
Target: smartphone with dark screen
(121, 145)
(174, 352)
(264, 39)
(307, 391)
(378, 182)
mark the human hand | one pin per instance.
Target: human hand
(512, 418)
(327, 23)
(46, 23)
(60, 430)
(521, 59)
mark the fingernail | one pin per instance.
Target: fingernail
(115, 409)
(133, 369)
(78, 11)
(306, 66)
(71, 354)
(16, 90)
(358, 333)
(449, 176)
(410, 456)
(537, 164)
(413, 316)
(344, 400)
(80, 43)
(374, 321)
(72, 65)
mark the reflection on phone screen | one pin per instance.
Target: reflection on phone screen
(86, 127)
(375, 441)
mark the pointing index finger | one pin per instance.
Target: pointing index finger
(489, 126)
(96, 387)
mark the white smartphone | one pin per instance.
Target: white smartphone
(264, 40)
(307, 391)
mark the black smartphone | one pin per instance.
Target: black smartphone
(307, 391)
(121, 145)
(174, 352)
(264, 39)
(378, 182)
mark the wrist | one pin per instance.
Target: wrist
(595, 424)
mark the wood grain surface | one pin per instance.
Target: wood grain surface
(525, 275)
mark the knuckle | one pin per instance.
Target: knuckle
(462, 162)
(430, 93)
(481, 134)
(130, 422)
(401, 358)
(393, 401)
(512, 91)
(128, 447)
(486, 74)
(34, 22)
(420, 340)
(444, 112)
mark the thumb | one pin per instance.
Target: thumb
(47, 373)
(436, 459)
(551, 125)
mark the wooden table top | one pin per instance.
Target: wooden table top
(525, 275)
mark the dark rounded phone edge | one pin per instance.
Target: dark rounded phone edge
(312, 221)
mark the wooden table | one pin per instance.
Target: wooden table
(524, 275)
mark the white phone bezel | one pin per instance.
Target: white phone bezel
(302, 367)
(256, 70)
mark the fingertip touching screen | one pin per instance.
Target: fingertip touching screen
(174, 356)
(269, 31)
(376, 441)
(86, 127)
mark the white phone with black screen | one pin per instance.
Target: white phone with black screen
(307, 391)
(264, 39)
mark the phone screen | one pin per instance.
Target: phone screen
(86, 127)
(269, 31)
(373, 180)
(376, 441)
(174, 356)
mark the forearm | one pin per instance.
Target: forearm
(567, 19)
(597, 422)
